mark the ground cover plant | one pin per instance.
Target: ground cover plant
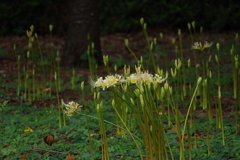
(153, 109)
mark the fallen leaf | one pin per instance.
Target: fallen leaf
(49, 139)
(70, 157)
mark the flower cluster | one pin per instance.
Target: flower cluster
(107, 81)
(200, 46)
(71, 108)
(135, 78)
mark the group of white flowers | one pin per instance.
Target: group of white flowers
(136, 78)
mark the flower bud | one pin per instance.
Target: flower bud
(137, 92)
(236, 61)
(189, 63)
(32, 28)
(193, 24)
(161, 35)
(151, 46)
(82, 85)
(219, 92)
(199, 80)
(189, 26)
(132, 101)
(113, 103)
(216, 58)
(179, 32)
(28, 54)
(141, 21)
(155, 41)
(173, 41)
(217, 46)
(141, 100)
(105, 60)
(126, 42)
(50, 27)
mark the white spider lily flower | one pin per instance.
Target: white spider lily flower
(200, 46)
(110, 80)
(71, 108)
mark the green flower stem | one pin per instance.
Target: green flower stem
(105, 152)
(192, 99)
(58, 103)
(19, 76)
(42, 68)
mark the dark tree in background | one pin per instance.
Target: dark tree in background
(83, 20)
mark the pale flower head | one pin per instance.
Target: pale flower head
(140, 77)
(71, 108)
(132, 78)
(159, 79)
(108, 81)
(200, 46)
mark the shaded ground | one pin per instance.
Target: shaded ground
(112, 45)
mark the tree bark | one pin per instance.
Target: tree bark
(83, 20)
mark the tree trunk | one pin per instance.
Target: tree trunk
(83, 20)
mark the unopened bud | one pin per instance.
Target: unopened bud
(126, 42)
(105, 60)
(209, 58)
(173, 73)
(55, 75)
(155, 41)
(82, 85)
(141, 21)
(151, 46)
(137, 92)
(199, 80)
(179, 32)
(216, 58)
(132, 101)
(50, 27)
(145, 26)
(189, 63)
(32, 28)
(173, 41)
(166, 86)
(162, 92)
(141, 100)
(218, 47)
(161, 35)
(236, 61)
(193, 24)
(113, 103)
(219, 92)
(28, 54)
(189, 26)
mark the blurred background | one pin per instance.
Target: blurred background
(120, 16)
